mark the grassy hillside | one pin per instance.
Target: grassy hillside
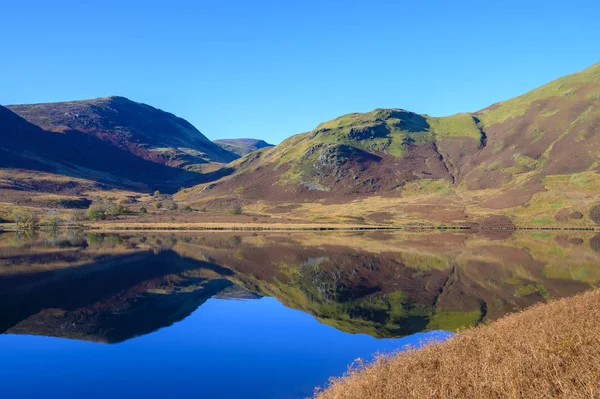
(531, 160)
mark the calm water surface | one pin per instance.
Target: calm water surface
(254, 315)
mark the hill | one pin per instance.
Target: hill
(242, 147)
(137, 128)
(533, 159)
(78, 155)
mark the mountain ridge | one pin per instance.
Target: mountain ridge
(141, 129)
(26, 146)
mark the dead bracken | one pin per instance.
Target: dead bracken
(547, 351)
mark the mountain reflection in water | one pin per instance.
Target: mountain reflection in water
(111, 288)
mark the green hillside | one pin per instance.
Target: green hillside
(532, 159)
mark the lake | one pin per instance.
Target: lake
(263, 315)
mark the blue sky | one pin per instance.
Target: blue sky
(270, 69)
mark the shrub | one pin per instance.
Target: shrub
(79, 215)
(595, 214)
(173, 206)
(187, 208)
(54, 221)
(235, 210)
(157, 193)
(576, 215)
(96, 212)
(595, 243)
(116, 210)
(158, 205)
(143, 210)
(25, 220)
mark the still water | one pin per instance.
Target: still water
(254, 315)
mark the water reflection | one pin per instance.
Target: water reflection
(110, 288)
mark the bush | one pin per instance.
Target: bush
(157, 193)
(236, 210)
(54, 221)
(595, 243)
(187, 208)
(79, 216)
(143, 210)
(173, 206)
(595, 214)
(116, 210)
(25, 220)
(96, 212)
(158, 205)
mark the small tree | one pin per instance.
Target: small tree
(158, 205)
(157, 194)
(116, 210)
(143, 210)
(25, 220)
(173, 206)
(54, 220)
(79, 215)
(17, 216)
(187, 208)
(96, 212)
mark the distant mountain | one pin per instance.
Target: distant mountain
(137, 128)
(533, 159)
(74, 153)
(242, 147)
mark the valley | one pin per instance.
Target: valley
(532, 161)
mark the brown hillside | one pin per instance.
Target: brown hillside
(80, 155)
(140, 129)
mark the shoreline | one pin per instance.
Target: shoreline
(547, 350)
(117, 227)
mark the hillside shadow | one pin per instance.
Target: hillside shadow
(78, 154)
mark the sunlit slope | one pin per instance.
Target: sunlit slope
(529, 160)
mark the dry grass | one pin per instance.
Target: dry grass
(241, 226)
(547, 351)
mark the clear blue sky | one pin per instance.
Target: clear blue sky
(270, 69)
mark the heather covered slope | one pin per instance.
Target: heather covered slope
(242, 147)
(531, 160)
(137, 128)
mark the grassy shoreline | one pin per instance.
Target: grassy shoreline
(550, 350)
(224, 226)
